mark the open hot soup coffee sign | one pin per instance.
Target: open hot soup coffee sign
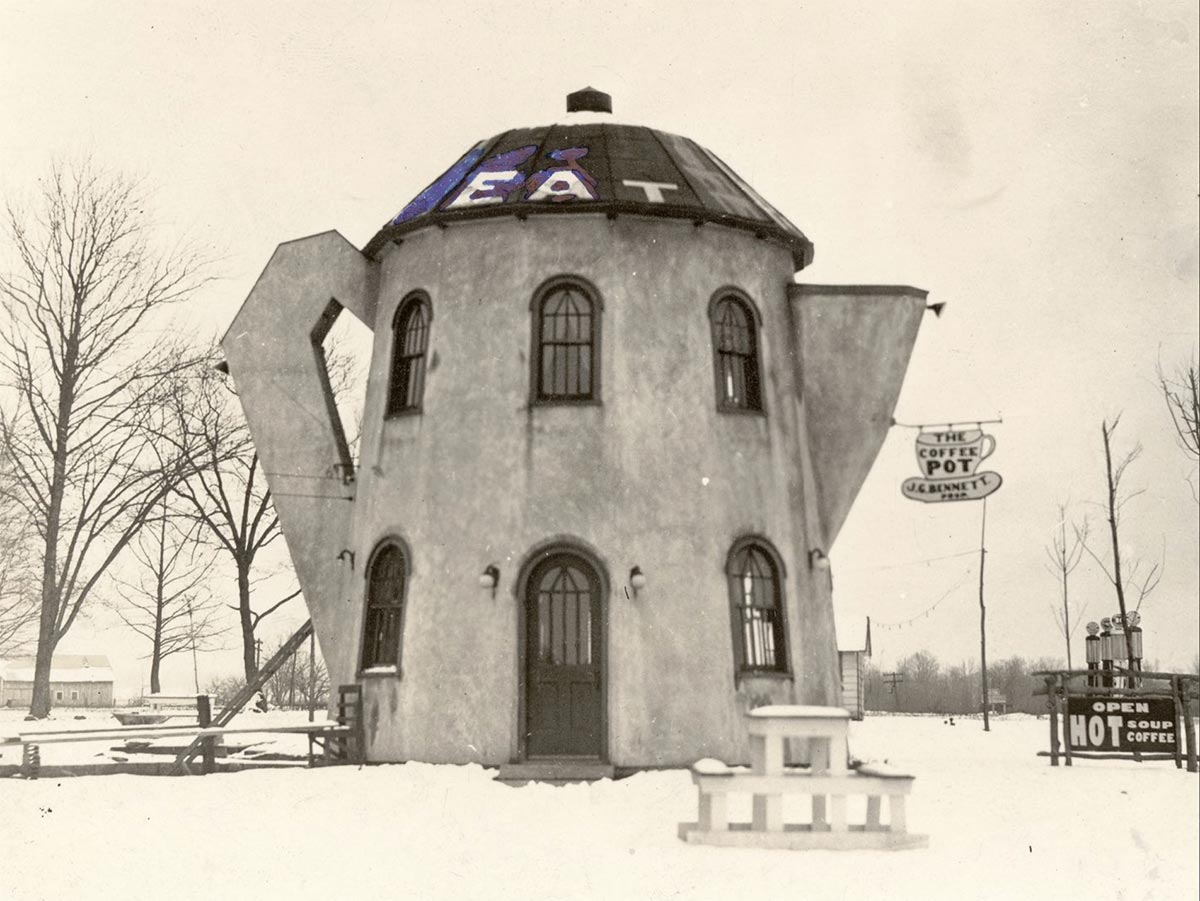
(949, 464)
(1121, 724)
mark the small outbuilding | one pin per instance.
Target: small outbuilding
(852, 660)
(76, 680)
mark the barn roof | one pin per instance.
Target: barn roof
(852, 640)
(63, 668)
(588, 164)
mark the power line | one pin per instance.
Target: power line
(857, 569)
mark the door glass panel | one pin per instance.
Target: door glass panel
(564, 610)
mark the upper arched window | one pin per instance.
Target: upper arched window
(387, 582)
(410, 338)
(566, 344)
(756, 606)
(735, 347)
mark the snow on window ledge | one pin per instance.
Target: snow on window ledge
(387, 670)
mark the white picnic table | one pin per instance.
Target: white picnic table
(827, 731)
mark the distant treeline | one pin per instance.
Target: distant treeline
(927, 687)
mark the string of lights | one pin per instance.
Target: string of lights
(924, 614)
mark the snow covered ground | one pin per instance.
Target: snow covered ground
(1002, 824)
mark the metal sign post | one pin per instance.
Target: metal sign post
(949, 462)
(983, 617)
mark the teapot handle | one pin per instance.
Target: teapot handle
(274, 356)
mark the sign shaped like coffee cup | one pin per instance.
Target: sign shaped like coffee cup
(949, 462)
(952, 454)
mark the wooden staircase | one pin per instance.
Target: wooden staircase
(243, 697)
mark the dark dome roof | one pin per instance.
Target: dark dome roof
(594, 167)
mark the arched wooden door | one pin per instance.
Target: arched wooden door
(564, 665)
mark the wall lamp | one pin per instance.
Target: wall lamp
(637, 580)
(489, 579)
(936, 308)
(817, 559)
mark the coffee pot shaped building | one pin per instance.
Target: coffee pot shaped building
(607, 444)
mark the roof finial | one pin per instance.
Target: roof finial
(589, 100)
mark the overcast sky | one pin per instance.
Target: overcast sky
(1032, 165)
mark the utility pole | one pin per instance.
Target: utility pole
(983, 619)
(192, 634)
(257, 653)
(892, 681)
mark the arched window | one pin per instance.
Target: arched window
(410, 337)
(566, 339)
(387, 579)
(735, 345)
(756, 605)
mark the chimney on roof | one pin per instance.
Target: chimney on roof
(589, 100)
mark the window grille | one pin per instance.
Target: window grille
(756, 601)
(566, 346)
(410, 338)
(386, 585)
(736, 345)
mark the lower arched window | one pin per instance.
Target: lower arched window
(756, 607)
(387, 581)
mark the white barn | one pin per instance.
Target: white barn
(76, 680)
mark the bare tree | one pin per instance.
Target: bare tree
(298, 680)
(87, 377)
(18, 587)
(1127, 577)
(1182, 394)
(1062, 558)
(226, 495)
(166, 601)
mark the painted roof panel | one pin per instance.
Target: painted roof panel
(594, 168)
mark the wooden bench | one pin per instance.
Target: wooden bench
(32, 741)
(716, 782)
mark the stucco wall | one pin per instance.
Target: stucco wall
(652, 476)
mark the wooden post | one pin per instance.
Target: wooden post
(1052, 689)
(1189, 735)
(1178, 698)
(207, 744)
(1066, 716)
(766, 759)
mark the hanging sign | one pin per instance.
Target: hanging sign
(949, 463)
